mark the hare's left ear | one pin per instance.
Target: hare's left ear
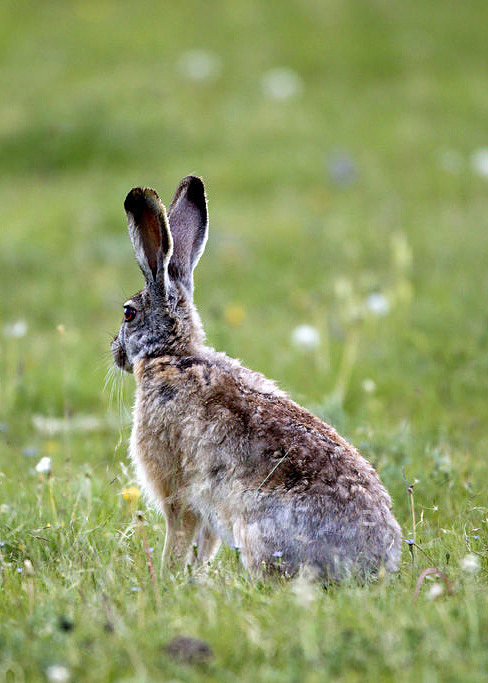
(149, 233)
(188, 222)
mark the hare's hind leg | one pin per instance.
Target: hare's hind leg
(210, 545)
(254, 550)
(205, 546)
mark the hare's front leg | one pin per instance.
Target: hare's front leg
(181, 524)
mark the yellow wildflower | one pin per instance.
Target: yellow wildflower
(131, 494)
(234, 315)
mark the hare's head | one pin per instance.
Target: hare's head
(161, 319)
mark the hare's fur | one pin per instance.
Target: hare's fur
(220, 450)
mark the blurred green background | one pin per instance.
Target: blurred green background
(344, 146)
(322, 132)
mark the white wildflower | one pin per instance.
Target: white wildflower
(470, 563)
(281, 84)
(435, 591)
(199, 65)
(369, 386)
(305, 337)
(16, 330)
(378, 304)
(57, 673)
(44, 465)
(479, 162)
(29, 568)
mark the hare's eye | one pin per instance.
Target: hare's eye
(129, 313)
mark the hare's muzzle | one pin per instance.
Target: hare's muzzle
(120, 356)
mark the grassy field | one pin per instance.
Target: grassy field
(348, 191)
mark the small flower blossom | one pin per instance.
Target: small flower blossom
(369, 386)
(29, 568)
(378, 304)
(305, 337)
(278, 554)
(44, 465)
(131, 494)
(57, 673)
(16, 330)
(281, 84)
(234, 315)
(470, 563)
(200, 65)
(435, 591)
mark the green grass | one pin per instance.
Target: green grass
(93, 103)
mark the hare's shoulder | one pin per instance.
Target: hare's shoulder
(211, 376)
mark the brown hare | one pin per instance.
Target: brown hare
(219, 449)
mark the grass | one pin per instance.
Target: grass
(93, 102)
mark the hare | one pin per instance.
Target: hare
(221, 451)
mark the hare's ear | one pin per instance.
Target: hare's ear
(188, 221)
(149, 233)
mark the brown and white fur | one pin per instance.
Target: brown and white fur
(219, 449)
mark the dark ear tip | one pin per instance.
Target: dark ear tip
(138, 198)
(134, 199)
(194, 183)
(193, 188)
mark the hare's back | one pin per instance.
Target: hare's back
(274, 445)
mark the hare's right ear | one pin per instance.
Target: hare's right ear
(188, 221)
(149, 233)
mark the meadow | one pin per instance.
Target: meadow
(344, 147)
